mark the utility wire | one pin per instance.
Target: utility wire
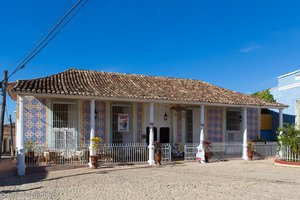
(42, 44)
(20, 66)
(53, 35)
(39, 38)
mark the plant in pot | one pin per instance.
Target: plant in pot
(250, 150)
(29, 151)
(207, 149)
(96, 141)
(157, 152)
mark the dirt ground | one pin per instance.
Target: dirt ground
(237, 179)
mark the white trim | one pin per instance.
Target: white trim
(284, 75)
(291, 86)
(202, 121)
(147, 100)
(92, 128)
(151, 135)
(245, 134)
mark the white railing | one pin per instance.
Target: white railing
(190, 151)
(288, 155)
(43, 155)
(108, 153)
(166, 152)
(221, 151)
(123, 153)
(267, 149)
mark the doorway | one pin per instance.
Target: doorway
(164, 135)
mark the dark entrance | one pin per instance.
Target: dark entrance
(148, 133)
(164, 136)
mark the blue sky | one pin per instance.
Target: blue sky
(241, 45)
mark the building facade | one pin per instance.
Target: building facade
(287, 92)
(65, 110)
(8, 143)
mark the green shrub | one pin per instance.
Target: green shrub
(290, 138)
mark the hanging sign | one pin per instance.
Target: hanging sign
(123, 122)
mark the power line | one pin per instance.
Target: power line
(42, 44)
(53, 35)
(40, 37)
(20, 66)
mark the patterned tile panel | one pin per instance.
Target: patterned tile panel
(214, 124)
(179, 127)
(85, 134)
(100, 121)
(139, 122)
(253, 123)
(35, 119)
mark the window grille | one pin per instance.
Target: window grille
(64, 125)
(233, 120)
(117, 135)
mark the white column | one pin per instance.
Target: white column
(201, 151)
(151, 136)
(245, 156)
(20, 141)
(92, 123)
(280, 126)
(202, 111)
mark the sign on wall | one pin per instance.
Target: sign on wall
(123, 122)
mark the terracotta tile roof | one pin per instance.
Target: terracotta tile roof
(130, 86)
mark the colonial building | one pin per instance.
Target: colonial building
(287, 91)
(64, 110)
(8, 143)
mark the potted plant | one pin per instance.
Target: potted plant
(250, 150)
(157, 152)
(29, 151)
(96, 141)
(207, 147)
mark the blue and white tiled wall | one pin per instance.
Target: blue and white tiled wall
(100, 121)
(214, 124)
(139, 122)
(179, 126)
(253, 128)
(35, 119)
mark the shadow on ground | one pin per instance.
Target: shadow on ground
(40, 173)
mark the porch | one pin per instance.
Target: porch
(138, 153)
(130, 128)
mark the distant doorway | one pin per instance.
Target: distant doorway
(148, 133)
(164, 135)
